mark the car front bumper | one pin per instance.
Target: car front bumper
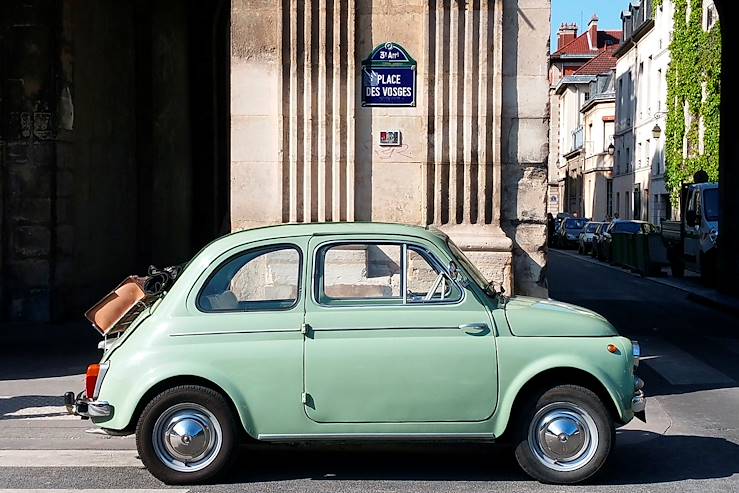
(86, 408)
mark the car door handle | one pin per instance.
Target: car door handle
(476, 329)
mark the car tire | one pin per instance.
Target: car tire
(204, 424)
(571, 411)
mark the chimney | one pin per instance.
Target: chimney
(593, 33)
(566, 34)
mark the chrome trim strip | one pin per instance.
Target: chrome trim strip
(227, 332)
(336, 329)
(404, 272)
(99, 382)
(277, 437)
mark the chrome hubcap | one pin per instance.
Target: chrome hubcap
(187, 437)
(563, 436)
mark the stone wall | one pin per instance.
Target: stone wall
(474, 148)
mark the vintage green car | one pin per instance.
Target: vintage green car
(356, 332)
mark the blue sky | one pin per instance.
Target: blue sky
(608, 11)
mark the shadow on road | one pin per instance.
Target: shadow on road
(10, 406)
(649, 458)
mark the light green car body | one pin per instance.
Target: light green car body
(403, 371)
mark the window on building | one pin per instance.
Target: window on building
(628, 160)
(618, 162)
(637, 202)
(627, 205)
(710, 16)
(609, 198)
(618, 204)
(642, 82)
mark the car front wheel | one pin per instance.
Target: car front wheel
(565, 435)
(186, 434)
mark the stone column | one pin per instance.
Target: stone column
(304, 149)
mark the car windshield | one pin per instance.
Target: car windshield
(710, 204)
(468, 266)
(626, 227)
(575, 223)
(591, 228)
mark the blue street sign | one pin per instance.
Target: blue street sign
(389, 77)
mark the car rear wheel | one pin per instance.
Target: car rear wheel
(565, 435)
(186, 434)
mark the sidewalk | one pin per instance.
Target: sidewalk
(690, 284)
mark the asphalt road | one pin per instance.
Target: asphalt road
(691, 441)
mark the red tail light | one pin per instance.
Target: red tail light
(91, 379)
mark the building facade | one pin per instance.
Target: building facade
(470, 155)
(598, 126)
(641, 95)
(569, 90)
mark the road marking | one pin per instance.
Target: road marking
(69, 458)
(678, 367)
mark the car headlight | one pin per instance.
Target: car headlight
(636, 352)
(713, 235)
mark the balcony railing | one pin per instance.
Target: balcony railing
(577, 138)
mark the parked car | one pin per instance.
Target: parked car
(352, 332)
(597, 239)
(692, 242)
(585, 240)
(569, 231)
(605, 244)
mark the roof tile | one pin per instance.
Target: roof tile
(603, 62)
(580, 45)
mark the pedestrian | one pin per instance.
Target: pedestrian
(550, 229)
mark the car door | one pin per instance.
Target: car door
(245, 315)
(391, 338)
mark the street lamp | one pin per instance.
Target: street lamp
(611, 149)
(656, 131)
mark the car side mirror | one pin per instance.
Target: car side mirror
(690, 218)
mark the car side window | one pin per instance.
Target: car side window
(255, 280)
(376, 273)
(357, 271)
(426, 283)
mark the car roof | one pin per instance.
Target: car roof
(705, 186)
(290, 230)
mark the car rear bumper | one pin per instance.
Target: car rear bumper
(86, 408)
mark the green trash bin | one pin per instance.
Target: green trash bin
(621, 249)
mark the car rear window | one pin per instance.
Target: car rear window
(626, 227)
(591, 228)
(575, 223)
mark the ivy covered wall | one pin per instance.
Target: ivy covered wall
(693, 96)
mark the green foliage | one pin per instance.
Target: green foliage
(693, 91)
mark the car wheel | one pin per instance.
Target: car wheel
(186, 434)
(565, 436)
